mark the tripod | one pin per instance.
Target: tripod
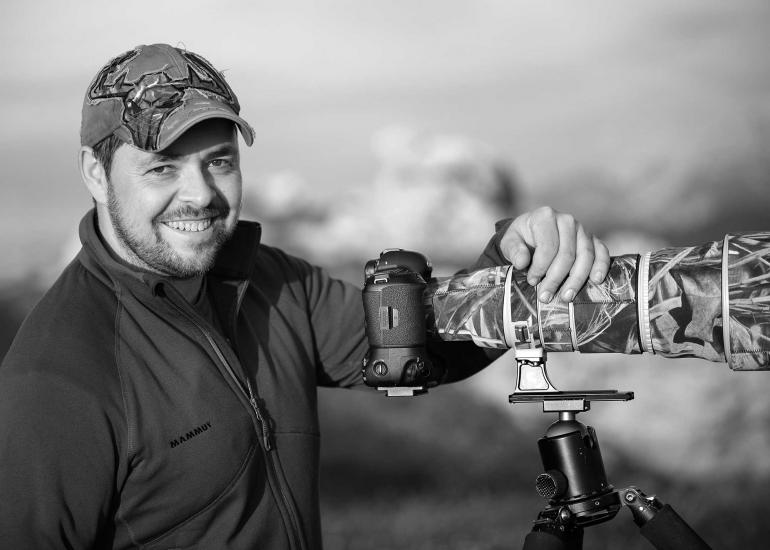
(574, 481)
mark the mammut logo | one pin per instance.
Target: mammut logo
(189, 435)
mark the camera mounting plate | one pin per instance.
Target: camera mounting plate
(569, 401)
(534, 386)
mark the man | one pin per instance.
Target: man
(163, 392)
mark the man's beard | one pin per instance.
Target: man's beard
(158, 254)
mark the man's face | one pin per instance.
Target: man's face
(171, 211)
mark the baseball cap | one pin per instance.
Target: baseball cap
(151, 95)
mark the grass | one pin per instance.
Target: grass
(446, 471)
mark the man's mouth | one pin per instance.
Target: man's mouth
(192, 226)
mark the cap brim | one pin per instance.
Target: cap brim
(178, 123)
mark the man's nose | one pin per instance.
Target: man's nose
(197, 187)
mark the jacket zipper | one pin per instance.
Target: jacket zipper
(262, 420)
(287, 508)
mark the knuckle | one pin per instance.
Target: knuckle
(568, 225)
(545, 253)
(545, 212)
(508, 240)
(587, 250)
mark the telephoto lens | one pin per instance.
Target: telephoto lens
(710, 301)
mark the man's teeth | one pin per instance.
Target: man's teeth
(195, 225)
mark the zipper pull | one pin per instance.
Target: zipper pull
(266, 439)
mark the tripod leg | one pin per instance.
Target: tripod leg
(660, 524)
(668, 531)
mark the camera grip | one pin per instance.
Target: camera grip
(395, 328)
(393, 315)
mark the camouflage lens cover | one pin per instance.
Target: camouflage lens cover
(682, 295)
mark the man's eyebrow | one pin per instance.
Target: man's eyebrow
(155, 158)
(224, 149)
(159, 157)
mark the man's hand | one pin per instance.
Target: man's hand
(555, 246)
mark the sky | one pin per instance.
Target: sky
(617, 100)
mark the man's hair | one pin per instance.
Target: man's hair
(104, 151)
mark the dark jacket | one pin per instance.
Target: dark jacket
(128, 419)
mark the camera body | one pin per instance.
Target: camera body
(394, 310)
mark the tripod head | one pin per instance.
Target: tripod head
(574, 481)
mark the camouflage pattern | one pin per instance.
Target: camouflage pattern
(684, 301)
(606, 314)
(748, 281)
(469, 307)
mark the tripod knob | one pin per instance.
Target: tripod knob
(551, 485)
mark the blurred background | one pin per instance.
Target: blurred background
(417, 125)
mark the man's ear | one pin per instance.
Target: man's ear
(93, 175)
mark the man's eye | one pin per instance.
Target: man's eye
(220, 163)
(158, 170)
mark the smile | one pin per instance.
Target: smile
(192, 226)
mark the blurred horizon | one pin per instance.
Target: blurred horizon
(644, 116)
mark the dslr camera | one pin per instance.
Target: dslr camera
(397, 361)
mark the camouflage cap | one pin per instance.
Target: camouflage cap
(151, 95)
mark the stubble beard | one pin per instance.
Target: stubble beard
(158, 254)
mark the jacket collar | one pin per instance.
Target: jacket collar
(235, 262)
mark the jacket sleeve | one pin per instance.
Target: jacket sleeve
(337, 317)
(57, 461)
(492, 255)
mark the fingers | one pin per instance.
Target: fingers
(585, 257)
(564, 256)
(514, 246)
(601, 262)
(536, 231)
(557, 263)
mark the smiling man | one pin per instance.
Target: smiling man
(162, 394)
(170, 212)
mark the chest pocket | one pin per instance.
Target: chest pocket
(191, 437)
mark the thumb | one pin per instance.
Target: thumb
(515, 247)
